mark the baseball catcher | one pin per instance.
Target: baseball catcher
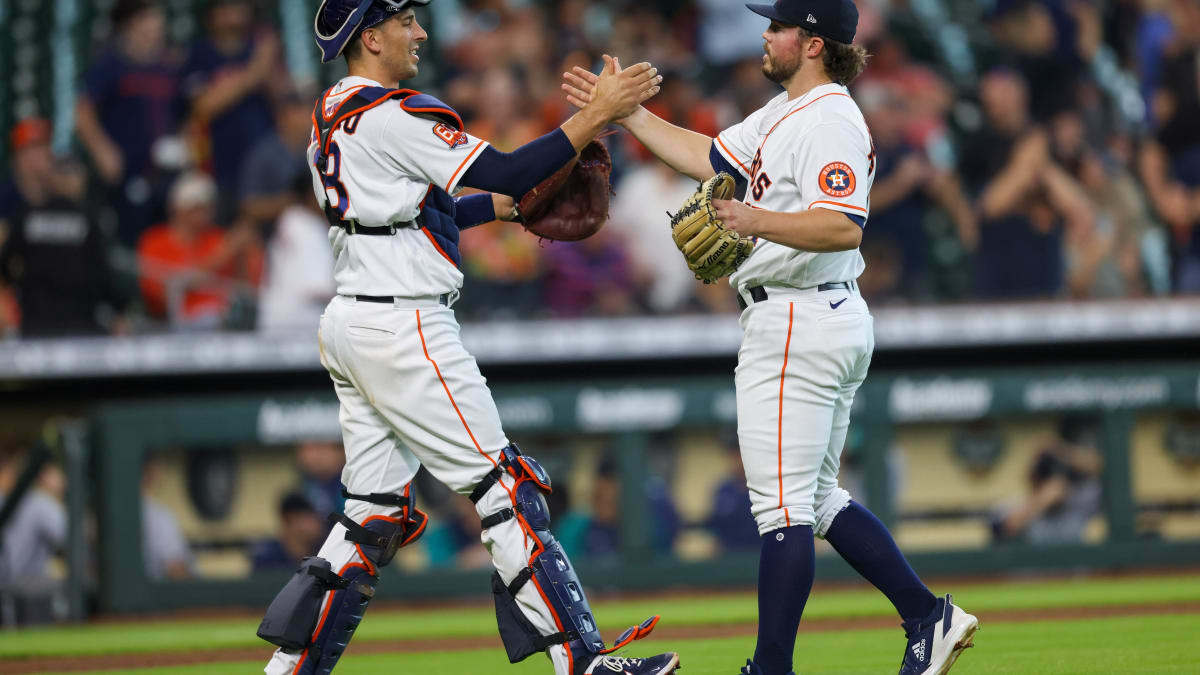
(711, 251)
(386, 164)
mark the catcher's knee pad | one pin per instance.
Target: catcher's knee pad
(549, 570)
(319, 610)
(827, 507)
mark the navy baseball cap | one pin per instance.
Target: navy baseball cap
(833, 19)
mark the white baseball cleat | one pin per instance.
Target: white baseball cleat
(663, 664)
(934, 645)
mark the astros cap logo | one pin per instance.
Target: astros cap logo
(837, 180)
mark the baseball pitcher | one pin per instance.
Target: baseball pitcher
(385, 163)
(791, 250)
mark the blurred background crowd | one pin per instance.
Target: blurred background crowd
(1027, 149)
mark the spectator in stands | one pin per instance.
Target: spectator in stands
(165, 551)
(638, 218)
(227, 77)
(278, 160)
(680, 102)
(505, 264)
(590, 277)
(188, 265)
(731, 521)
(128, 115)
(908, 185)
(1105, 260)
(36, 532)
(301, 532)
(1051, 44)
(453, 540)
(728, 35)
(298, 282)
(595, 532)
(10, 314)
(923, 97)
(1170, 162)
(1064, 488)
(501, 109)
(320, 464)
(1026, 201)
(1176, 200)
(55, 256)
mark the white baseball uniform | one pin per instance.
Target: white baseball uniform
(804, 352)
(410, 393)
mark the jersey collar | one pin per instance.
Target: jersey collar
(356, 81)
(819, 91)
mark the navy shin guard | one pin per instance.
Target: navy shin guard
(319, 610)
(340, 618)
(548, 569)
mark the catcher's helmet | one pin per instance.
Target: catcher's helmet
(338, 21)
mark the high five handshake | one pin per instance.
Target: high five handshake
(614, 94)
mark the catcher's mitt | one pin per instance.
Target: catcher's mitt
(711, 250)
(573, 203)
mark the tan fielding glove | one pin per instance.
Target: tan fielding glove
(711, 251)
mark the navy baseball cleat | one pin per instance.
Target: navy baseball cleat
(751, 668)
(936, 643)
(663, 664)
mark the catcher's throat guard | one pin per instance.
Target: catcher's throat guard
(711, 251)
(318, 610)
(549, 569)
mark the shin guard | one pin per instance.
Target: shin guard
(298, 620)
(548, 569)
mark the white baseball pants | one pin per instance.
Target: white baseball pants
(410, 395)
(804, 354)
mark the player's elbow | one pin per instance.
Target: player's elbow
(846, 235)
(853, 237)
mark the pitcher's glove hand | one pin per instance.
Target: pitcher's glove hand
(573, 203)
(711, 251)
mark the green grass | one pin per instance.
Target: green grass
(696, 610)
(1160, 644)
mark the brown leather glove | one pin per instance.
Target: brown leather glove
(573, 203)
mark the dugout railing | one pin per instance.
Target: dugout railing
(631, 411)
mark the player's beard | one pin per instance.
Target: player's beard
(780, 71)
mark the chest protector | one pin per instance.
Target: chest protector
(436, 218)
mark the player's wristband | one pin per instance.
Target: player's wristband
(473, 210)
(517, 172)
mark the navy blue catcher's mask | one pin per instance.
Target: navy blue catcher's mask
(337, 21)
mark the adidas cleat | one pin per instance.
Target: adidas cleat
(935, 644)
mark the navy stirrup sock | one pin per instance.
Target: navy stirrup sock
(785, 578)
(858, 536)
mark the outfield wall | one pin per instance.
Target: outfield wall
(629, 418)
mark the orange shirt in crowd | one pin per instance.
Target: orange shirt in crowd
(160, 247)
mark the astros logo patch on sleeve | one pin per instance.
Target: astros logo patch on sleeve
(453, 137)
(837, 180)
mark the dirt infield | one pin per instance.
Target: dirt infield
(166, 659)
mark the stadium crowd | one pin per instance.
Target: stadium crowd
(187, 204)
